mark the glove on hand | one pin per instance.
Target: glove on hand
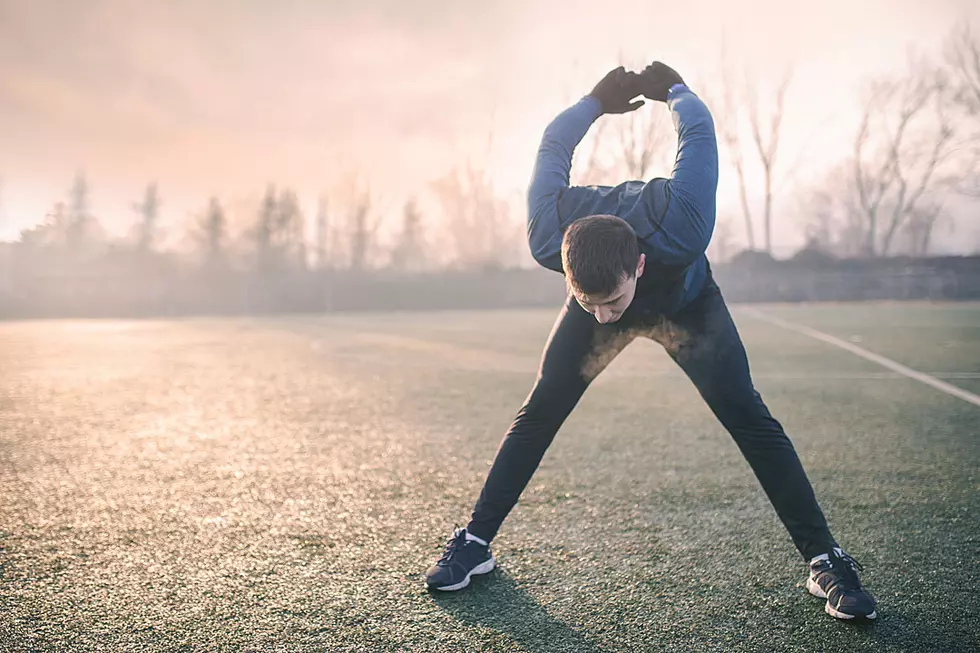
(616, 89)
(656, 80)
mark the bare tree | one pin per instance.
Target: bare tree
(80, 221)
(409, 253)
(265, 227)
(359, 237)
(3, 215)
(889, 195)
(349, 234)
(52, 232)
(740, 112)
(322, 234)
(479, 227)
(215, 228)
(833, 221)
(626, 147)
(722, 240)
(902, 142)
(920, 228)
(962, 62)
(963, 59)
(207, 234)
(279, 232)
(361, 233)
(69, 224)
(148, 211)
(289, 238)
(727, 125)
(767, 146)
(73, 238)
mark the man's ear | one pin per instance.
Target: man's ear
(640, 265)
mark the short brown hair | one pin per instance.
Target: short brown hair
(597, 252)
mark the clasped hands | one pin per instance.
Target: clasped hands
(617, 89)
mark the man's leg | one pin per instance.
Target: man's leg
(703, 340)
(577, 350)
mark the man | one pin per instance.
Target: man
(634, 261)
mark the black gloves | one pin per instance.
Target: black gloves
(656, 79)
(616, 89)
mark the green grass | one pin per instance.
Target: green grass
(281, 484)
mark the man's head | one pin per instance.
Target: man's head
(602, 261)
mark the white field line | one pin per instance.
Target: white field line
(888, 363)
(823, 376)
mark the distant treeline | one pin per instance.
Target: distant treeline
(869, 220)
(814, 276)
(158, 287)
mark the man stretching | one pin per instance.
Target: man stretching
(634, 262)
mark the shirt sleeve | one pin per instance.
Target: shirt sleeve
(673, 218)
(551, 178)
(682, 229)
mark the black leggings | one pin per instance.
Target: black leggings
(702, 339)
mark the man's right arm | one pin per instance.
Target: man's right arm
(552, 170)
(549, 187)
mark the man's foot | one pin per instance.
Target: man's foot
(461, 559)
(833, 576)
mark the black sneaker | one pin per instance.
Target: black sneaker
(461, 559)
(833, 576)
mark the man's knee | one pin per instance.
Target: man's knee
(551, 400)
(741, 408)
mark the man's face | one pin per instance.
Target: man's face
(609, 308)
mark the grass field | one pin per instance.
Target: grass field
(281, 484)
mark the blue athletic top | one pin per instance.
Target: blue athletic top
(673, 218)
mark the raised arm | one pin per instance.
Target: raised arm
(553, 165)
(551, 178)
(682, 228)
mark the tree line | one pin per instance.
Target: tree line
(916, 144)
(915, 147)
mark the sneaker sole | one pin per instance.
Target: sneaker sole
(816, 590)
(482, 568)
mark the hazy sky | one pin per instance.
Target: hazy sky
(222, 97)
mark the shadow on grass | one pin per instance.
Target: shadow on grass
(498, 603)
(909, 633)
(896, 629)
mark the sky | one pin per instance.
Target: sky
(227, 96)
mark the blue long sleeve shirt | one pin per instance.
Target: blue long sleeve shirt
(673, 218)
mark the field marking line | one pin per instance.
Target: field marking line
(888, 363)
(809, 376)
